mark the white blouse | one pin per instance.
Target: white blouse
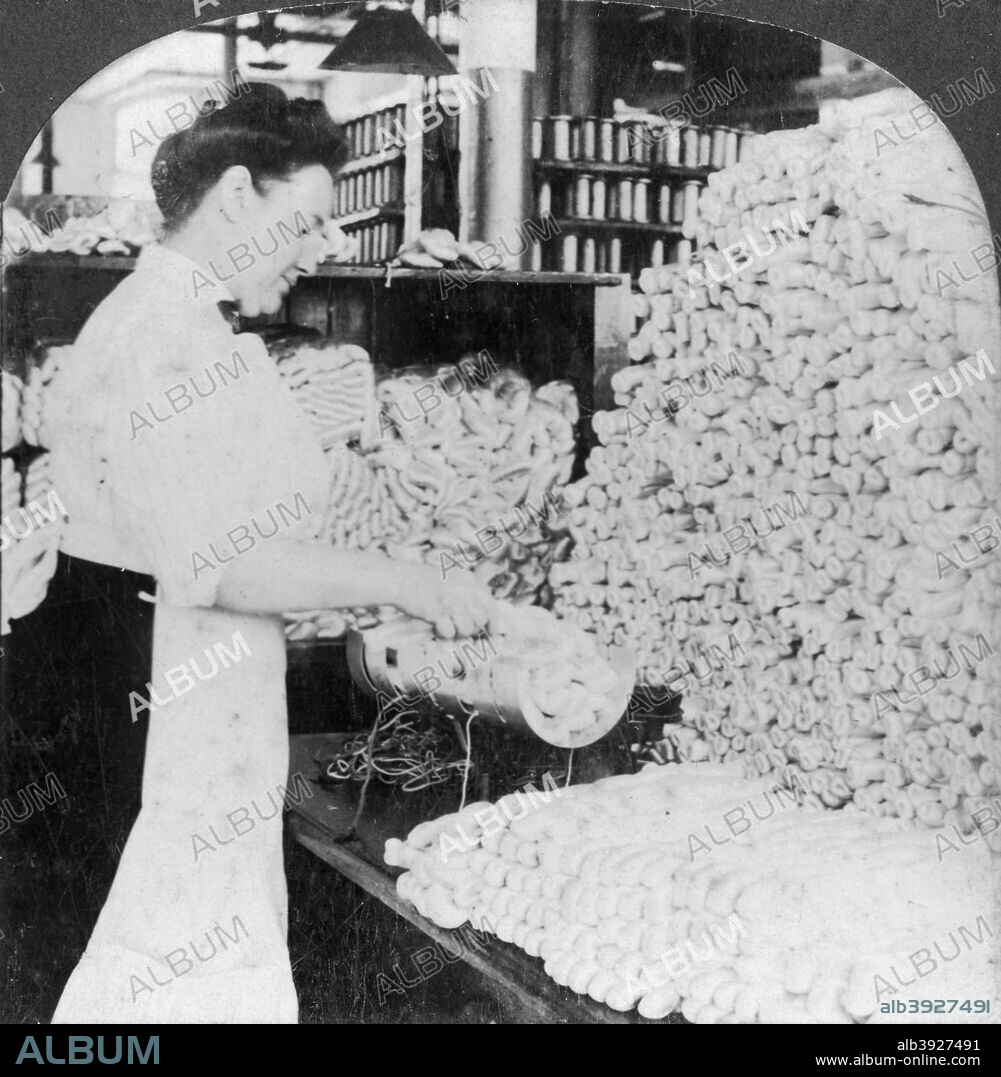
(177, 445)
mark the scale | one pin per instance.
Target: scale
(386, 660)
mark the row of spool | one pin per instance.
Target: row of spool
(370, 188)
(635, 141)
(587, 195)
(657, 170)
(378, 241)
(363, 134)
(577, 251)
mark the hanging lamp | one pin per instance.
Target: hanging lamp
(389, 40)
(269, 35)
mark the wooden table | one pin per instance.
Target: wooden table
(321, 824)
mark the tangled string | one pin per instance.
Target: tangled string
(400, 754)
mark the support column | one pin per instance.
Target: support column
(497, 49)
(229, 47)
(578, 52)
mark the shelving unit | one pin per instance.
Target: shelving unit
(621, 190)
(370, 191)
(549, 325)
(388, 192)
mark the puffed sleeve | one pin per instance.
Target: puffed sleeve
(202, 458)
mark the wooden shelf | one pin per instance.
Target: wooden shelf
(604, 225)
(616, 167)
(683, 172)
(336, 271)
(374, 160)
(491, 276)
(364, 216)
(647, 171)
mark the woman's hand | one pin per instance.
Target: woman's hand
(458, 606)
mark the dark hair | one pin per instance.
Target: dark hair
(260, 129)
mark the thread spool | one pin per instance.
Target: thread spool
(625, 200)
(537, 128)
(569, 254)
(544, 198)
(671, 146)
(575, 137)
(744, 138)
(589, 259)
(615, 255)
(582, 195)
(599, 196)
(623, 148)
(589, 138)
(641, 190)
(690, 204)
(657, 135)
(677, 204)
(639, 140)
(705, 147)
(717, 152)
(606, 139)
(559, 130)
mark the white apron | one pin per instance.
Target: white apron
(195, 926)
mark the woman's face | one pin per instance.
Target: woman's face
(281, 239)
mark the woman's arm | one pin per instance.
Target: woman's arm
(284, 576)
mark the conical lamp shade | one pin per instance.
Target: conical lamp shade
(386, 40)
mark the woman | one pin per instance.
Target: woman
(182, 457)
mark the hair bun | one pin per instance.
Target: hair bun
(163, 180)
(160, 177)
(260, 97)
(260, 129)
(302, 106)
(160, 172)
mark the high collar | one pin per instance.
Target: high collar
(191, 280)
